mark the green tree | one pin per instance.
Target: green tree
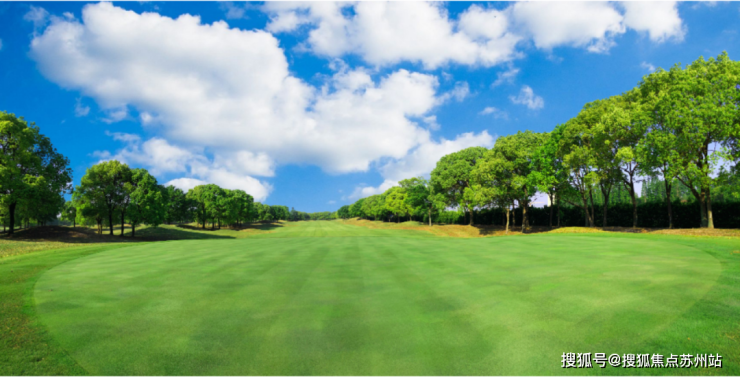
(355, 210)
(547, 171)
(622, 125)
(451, 176)
(343, 212)
(178, 206)
(695, 108)
(510, 162)
(395, 202)
(105, 185)
(205, 200)
(420, 195)
(242, 206)
(69, 213)
(148, 200)
(32, 173)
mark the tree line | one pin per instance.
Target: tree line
(34, 177)
(678, 128)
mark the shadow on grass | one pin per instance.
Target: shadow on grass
(254, 226)
(84, 235)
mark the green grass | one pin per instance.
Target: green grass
(328, 298)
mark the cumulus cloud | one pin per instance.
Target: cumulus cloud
(231, 89)
(388, 33)
(527, 98)
(185, 184)
(578, 24)
(660, 19)
(421, 161)
(211, 89)
(161, 157)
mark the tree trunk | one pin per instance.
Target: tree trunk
(507, 219)
(668, 203)
(74, 224)
(605, 192)
(592, 220)
(634, 204)
(430, 216)
(552, 204)
(525, 217)
(11, 221)
(471, 217)
(123, 218)
(710, 220)
(556, 198)
(513, 215)
(110, 220)
(703, 210)
(133, 230)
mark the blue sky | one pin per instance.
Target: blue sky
(313, 105)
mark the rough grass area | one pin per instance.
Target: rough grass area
(465, 231)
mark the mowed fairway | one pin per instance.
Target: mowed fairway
(322, 298)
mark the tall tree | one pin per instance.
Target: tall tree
(395, 201)
(510, 161)
(32, 172)
(420, 195)
(205, 198)
(695, 111)
(616, 136)
(547, 171)
(451, 177)
(69, 213)
(106, 182)
(148, 200)
(178, 206)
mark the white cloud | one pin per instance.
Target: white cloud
(365, 191)
(578, 24)
(185, 184)
(38, 16)
(458, 93)
(647, 66)
(421, 161)
(431, 122)
(233, 11)
(495, 112)
(116, 114)
(230, 89)
(80, 109)
(660, 19)
(160, 157)
(528, 98)
(388, 33)
(506, 77)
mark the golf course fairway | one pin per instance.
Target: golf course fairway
(324, 298)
